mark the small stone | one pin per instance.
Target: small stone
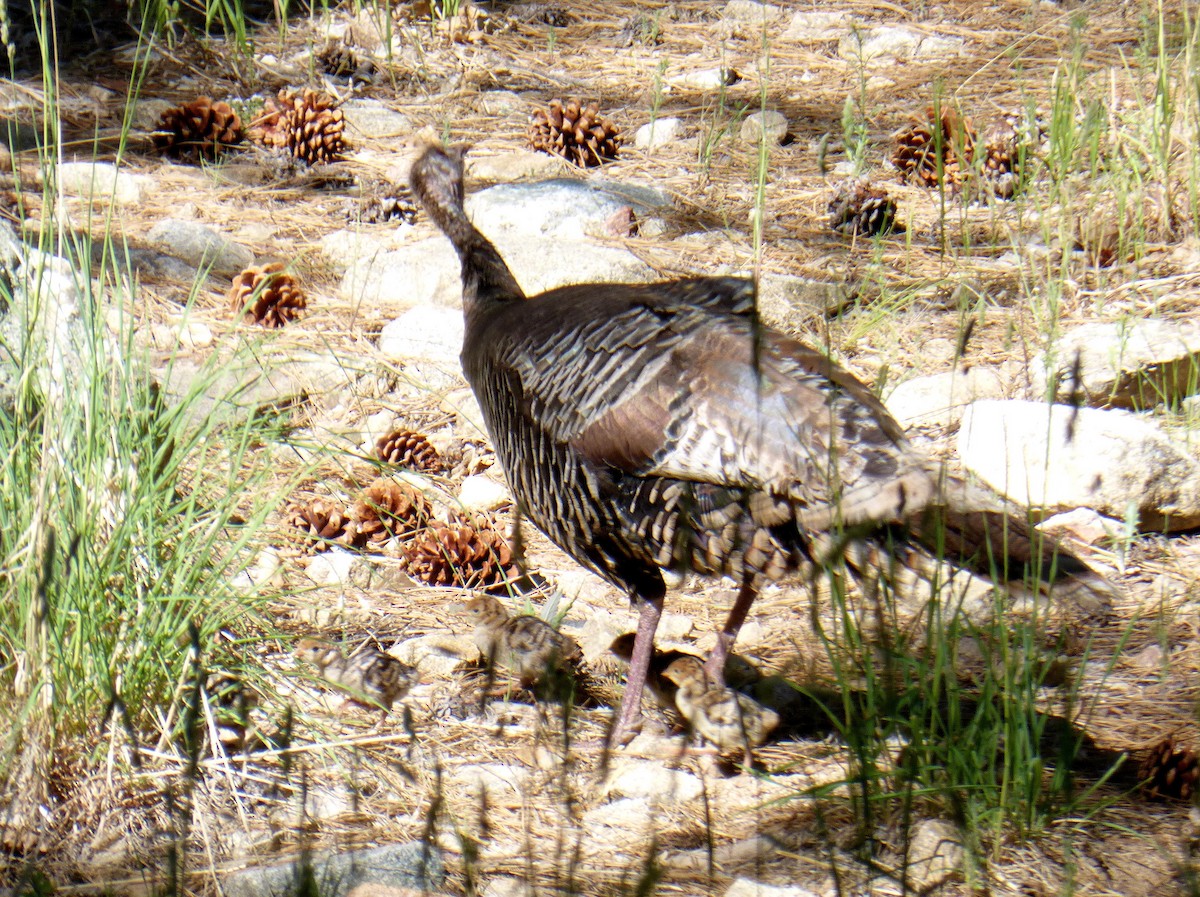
(769, 126)
(333, 567)
(423, 273)
(498, 783)
(501, 102)
(935, 854)
(660, 132)
(482, 493)
(516, 165)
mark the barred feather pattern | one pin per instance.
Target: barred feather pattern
(660, 426)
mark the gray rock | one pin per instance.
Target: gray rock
(507, 886)
(335, 874)
(940, 399)
(562, 208)
(148, 112)
(571, 262)
(1058, 457)
(660, 132)
(769, 125)
(935, 853)
(230, 389)
(200, 246)
(428, 333)
(100, 181)
(1126, 364)
(372, 119)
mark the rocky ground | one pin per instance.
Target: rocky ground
(975, 307)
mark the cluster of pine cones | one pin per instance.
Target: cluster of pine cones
(305, 125)
(466, 550)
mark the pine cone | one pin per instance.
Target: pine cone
(267, 295)
(1169, 773)
(386, 509)
(199, 129)
(932, 158)
(408, 449)
(463, 553)
(860, 208)
(318, 522)
(307, 125)
(1005, 143)
(384, 206)
(339, 60)
(575, 132)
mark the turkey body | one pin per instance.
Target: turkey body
(652, 427)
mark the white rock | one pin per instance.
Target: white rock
(817, 25)
(571, 262)
(483, 493)
(653, 781)
(424, 333)
(516, 165)
(745, 887)
(750, 11)
(940, 399)
(935, 853)
(1125, 364)
(660, 132)
(267, 570)
(1061, 457)
(331, 568)
(99, 181)
(888, 43)
(437, 653)
(422, 273)
(768, 125)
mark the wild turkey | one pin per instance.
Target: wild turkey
(645, 427)
(721, 716)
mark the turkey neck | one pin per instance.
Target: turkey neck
(488, 284)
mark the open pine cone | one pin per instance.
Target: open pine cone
(307, 124)
(1169, 773)
(467, 553)
(860, 208)
(575, 132)
(267, 295)
(1007, 145)
(199, 129)
(932, 151)
(385, 509)
(318, 522)
(407, 448)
